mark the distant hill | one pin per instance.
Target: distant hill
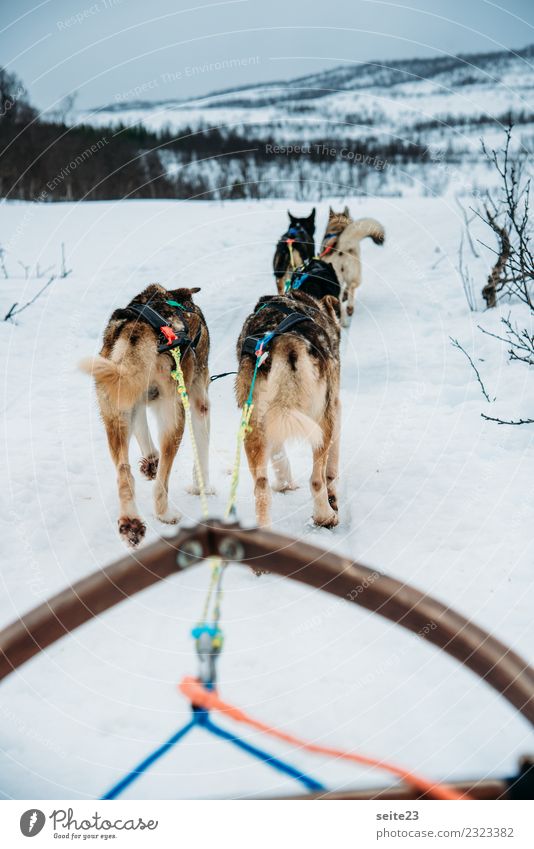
(408, 127)
(445, 98)
(408, 114)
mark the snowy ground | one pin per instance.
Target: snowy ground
(430, 493)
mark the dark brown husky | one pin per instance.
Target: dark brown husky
(130, 374)
(296, 396)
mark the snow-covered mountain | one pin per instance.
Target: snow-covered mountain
(370, 114)
(451, 95)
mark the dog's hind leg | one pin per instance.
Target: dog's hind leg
(171, 420)
(131, 527)
(148, 463)
(257, 456)
(332, 465)
(323, 513)
(343, 305)
(350, 302)
(282, 470)
(353, 283)
(200, 416)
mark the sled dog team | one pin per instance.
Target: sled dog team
(293, 339)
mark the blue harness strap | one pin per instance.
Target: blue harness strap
(272, 761)
(125, 782)
(252, 344)
(201, 718)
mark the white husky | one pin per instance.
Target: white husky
(341, 248)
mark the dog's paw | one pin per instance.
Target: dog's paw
(170, 517)
(195, 490)
(259, 572)
(132, 530)
(332, 500)
(284, 486)
(326, 521)
(148, 466)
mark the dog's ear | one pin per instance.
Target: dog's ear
(332, 306)
(183, 293)
(346, 212)
(311, 216)
(331, 212)
(291, 217)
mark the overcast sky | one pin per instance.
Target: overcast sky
(107, 48)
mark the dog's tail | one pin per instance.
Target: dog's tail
(122, 388)
(365, 227)
(290, 384)
(292, 424)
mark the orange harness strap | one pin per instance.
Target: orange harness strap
(209, 700)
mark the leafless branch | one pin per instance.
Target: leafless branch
(521, 342)
(3, 263)
(42, 272)
(465, 276)
(507, 421)
(437, 262)
(473, 366)
(467, 221)
(495, 279)
(25, 268)
(16, 310)
(64, 271)
(507, 215)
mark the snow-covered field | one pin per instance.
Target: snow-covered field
(430, 493)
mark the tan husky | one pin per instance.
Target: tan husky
(296, 396)
(341, 242)
(130, 374)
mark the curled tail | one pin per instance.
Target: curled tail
(365, 227)
(122, 388)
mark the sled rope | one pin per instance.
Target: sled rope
(200, 697)
(178, 376)
(244, 429)
(203, 629)
(217, 564)
(289, 243)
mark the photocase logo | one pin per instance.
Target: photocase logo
(32, 822)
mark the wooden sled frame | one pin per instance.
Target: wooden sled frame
(488, 658)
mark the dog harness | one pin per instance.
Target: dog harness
(317, 278)
(296, 236)
(255, 345)
(180, 340)
(332, 238)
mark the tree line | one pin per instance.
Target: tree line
(54, 160)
